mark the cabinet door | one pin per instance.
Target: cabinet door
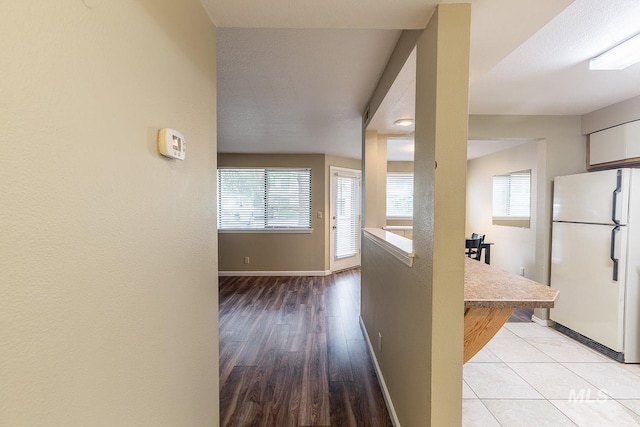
(619, 144)
(632, 140)
(607, 145)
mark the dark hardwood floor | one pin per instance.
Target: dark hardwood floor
(521, 315)
(292, 353)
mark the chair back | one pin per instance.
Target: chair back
(474, 246)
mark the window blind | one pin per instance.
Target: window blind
(400, 195)
(512, 195)
(264, 198)
(347, 220)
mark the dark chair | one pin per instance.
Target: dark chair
(473, 246)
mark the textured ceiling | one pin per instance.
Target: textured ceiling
(549, 73)
(299, 80)
(297, 91)
(399, 103)
(354, 14)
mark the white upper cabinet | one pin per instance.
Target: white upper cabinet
(616, 146)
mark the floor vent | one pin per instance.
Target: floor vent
(617, 356)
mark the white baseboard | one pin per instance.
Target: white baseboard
(542, 322)
(274, 273)
(383, 385)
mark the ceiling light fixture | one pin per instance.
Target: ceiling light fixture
(404, 122)
(618, 57)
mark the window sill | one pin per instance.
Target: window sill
(521, 222)
(266, 231)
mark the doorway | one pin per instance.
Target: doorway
(344, 212)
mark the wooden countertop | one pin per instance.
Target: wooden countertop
(489, 287)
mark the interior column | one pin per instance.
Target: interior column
(442, 82)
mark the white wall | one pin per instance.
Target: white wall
(514, 247)
(563, 153)
(108, 251)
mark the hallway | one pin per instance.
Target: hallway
(292, 353)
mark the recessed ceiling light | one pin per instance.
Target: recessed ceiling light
(404, 122)
(618, 57)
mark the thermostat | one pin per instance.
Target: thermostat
(171, 143)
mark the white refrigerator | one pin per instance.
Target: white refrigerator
(595, 260)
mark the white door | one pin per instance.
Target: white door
(344, 219)
(590, 301)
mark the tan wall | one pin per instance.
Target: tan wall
(375, 179)
(419, 310)
(279, 251)
(395, 166)
(513, 247)
(108, 250)
(342, 162)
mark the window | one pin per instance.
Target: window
(512, 199)
(399, 195)
(264, 199)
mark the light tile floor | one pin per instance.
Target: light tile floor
(529, 375)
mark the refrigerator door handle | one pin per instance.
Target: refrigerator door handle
(613, 252)
(614, 207)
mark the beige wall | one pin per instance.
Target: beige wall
(283, 252)
(613, 115)
(513, 247)
(108, 250)
(419, 310)
(375, 179)
(395, 166)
